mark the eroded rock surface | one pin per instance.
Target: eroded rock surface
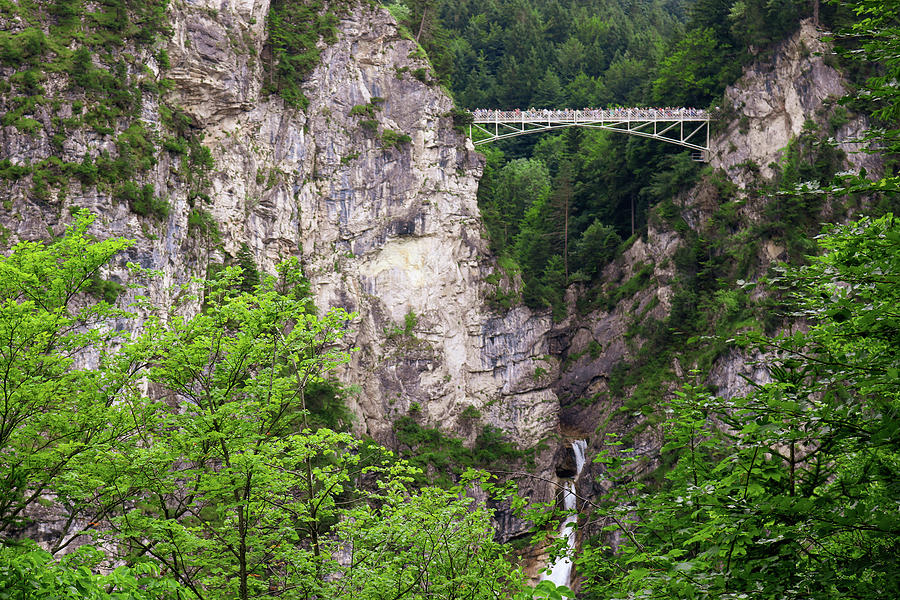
(380, 207)
(775, 99)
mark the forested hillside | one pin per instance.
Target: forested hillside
(559, 205)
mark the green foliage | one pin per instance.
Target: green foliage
(370, 125)
(391, 138)
(442, 459)
(12, 172)
(870, 38)
(143, 200)
(105, 289)
(363, 110)
(295, 30)
(505, 194)
(28, 573)
(250, 275)
(72, 411)
(540, 53)
(461, 118)
(471, 413)
(434, 543)
(204, 223)
(579, 54)
(410, 321)
(220, 487)
(788, 491)
(597, 247)
(26, 125)
(638, 281)
(326, 403)
(504, 294)
(546, 590)
(349, 157)
(698, 69)
(26, 46)
(269, 490)
(101, 50)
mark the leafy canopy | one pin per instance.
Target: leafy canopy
(217, 484)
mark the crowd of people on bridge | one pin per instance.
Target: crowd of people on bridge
(588, 114)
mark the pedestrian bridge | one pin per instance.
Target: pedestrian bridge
(688, 127)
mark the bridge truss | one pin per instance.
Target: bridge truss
(686, 127)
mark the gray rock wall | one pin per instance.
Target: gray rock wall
(383, 230)
(773, 101)
(770, 105)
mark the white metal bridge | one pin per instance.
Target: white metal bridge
(688, 127)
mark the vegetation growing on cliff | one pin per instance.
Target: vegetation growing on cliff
(99, 54)
(219, 485)
(295, 30)
(790, 491)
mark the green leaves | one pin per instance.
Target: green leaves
(295, 30)
(546, 590)
(219, 485)
(51, 412)
(789, 491)
(28, 573)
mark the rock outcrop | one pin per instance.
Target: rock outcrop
(773, 101)
(379, 205)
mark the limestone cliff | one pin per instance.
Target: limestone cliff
(776, 100)
(370, 186)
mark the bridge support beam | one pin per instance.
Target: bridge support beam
(682, 127)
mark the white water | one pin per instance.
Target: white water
(561, 569)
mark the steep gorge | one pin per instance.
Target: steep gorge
(618, 364)
(374, 190)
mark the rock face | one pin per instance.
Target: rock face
(380, 207)
(773, 101)
(375, 191)
(771, 104)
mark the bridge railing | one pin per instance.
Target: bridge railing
(590, 114)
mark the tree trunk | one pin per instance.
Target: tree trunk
(421, 23)
(632, 215)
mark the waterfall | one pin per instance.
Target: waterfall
(561, 569)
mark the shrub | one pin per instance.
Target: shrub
(13, 172)
(367, 110)
(143, 201)
(105, 290)
(410, 321)
(295, 29)
(391, 138)
(203, 222)
(471, 413)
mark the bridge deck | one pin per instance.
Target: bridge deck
(591, 115)
(664, 124)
